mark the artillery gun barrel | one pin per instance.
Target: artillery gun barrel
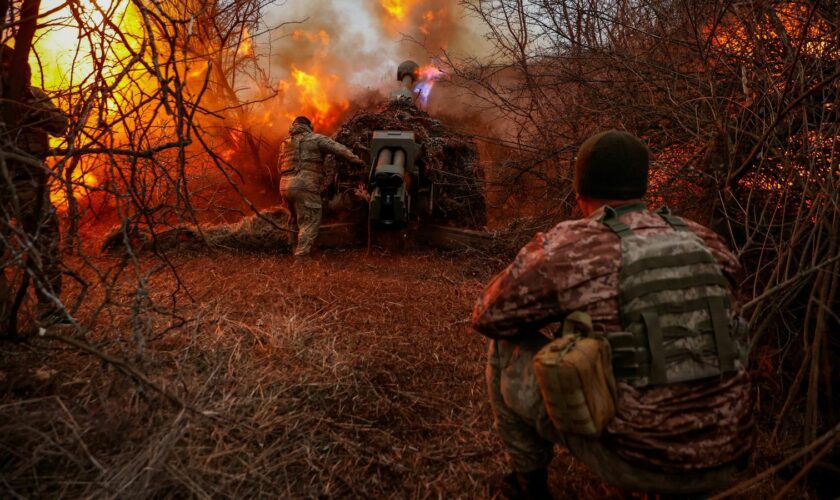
(399, 158)
(385, 157)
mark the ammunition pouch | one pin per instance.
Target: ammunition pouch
(575, 377)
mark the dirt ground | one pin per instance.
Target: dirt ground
(353, 375)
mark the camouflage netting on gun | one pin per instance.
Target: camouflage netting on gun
(270, 232)
(447, 160)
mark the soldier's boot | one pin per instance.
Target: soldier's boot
(531, 485)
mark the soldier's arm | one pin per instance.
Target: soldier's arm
(329, 146)
(46, 115)
(521, 299)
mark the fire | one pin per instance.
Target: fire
(732, 37)
(64, 57)
(87, 61)
(430, 17)
(311, 89)
(246, 45)
(398, 9)
(321, 36)
(315, 98)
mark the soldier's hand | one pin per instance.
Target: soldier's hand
(358, 162)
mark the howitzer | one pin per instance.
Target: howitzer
(393, 177)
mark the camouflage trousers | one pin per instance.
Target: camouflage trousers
(529, 436)
(29, 236)
(302, 194)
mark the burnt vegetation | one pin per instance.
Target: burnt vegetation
(205, 370)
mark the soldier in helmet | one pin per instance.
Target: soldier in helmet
(27, 122)
(682, 421)
(301, 175)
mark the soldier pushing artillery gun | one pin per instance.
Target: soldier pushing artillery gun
(301, 175)
(421, 178)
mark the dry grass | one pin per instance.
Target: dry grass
(355, 377)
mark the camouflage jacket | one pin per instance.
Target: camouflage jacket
(40, 119)
(575, 266)
(306, 151)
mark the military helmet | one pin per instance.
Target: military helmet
(302, 119)
(612, 165)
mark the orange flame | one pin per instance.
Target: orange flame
(732, 37)
(315, 98)
(246, 45)
(321, 36)
(64, 57)
(55, 48)
(430, 17)
(398, 9)
(74, 56)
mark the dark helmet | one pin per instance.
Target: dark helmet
(304, 120)
(612, 165)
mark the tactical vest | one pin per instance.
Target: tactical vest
(675, 307)
(301, 153)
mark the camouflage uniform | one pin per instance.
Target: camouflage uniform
(302, 174)
(27, 200)
(675, 438)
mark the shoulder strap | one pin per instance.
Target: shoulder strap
(610, 218)
(675, 222)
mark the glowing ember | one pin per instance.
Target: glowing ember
(733, 37)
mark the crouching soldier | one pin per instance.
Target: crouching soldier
(648, 289)
(301, 175)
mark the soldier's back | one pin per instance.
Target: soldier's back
(584, 257)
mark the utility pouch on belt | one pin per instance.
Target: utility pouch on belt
(575, 376)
